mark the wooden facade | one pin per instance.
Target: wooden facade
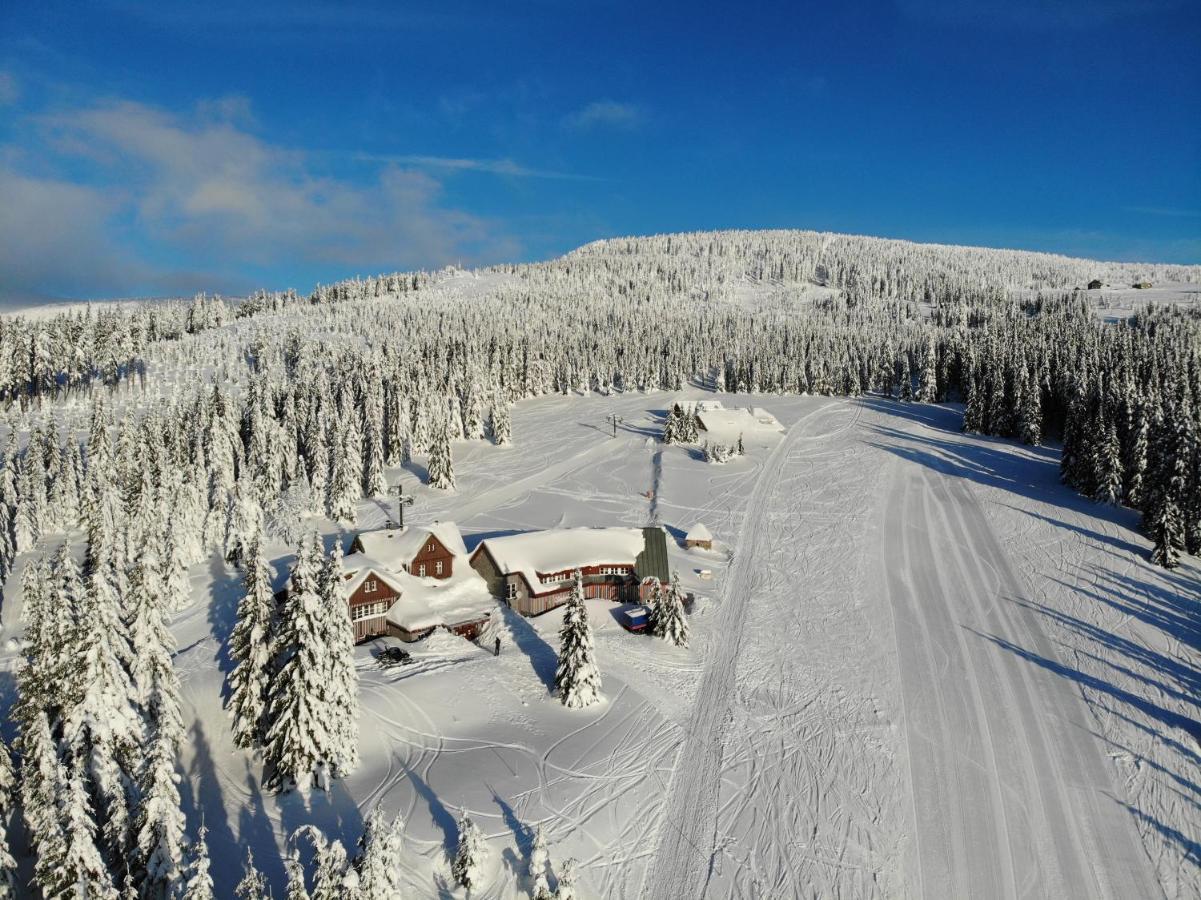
(603, 581)
(369, 606)
(433, 560)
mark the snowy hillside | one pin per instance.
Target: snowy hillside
(946, 643)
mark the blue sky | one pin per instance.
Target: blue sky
(163, 148)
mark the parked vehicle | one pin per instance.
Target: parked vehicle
(394, 656)
(635, 619)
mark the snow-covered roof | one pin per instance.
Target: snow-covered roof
(358, 567)
(563, 549)
(428, 602)
(423, 602)
(732, 422)
(396, 548)
(698, 532)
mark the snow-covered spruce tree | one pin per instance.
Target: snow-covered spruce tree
(244, 522)
(1166, 532)
(566, 889)
(345, 487)
(298, 751)
(577, 679)
(342, 680)
(296, 889)
(538, 867)
(251, 652)
(83, 868)
(502, 423)
(332, 867)
(8, 865)
(671, 428)
(927, 391)
(160, 820)
(378, 860)
(441, 464)
(41, 786)
(1107, 464)
(198, 882)
(9, 501)
(253, 885)
(467, 866)
(102, 728)
(1029, 413)
(654, 604)
(672, 625)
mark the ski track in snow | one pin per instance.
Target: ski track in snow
(905, 604)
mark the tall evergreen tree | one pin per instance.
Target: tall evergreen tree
(467, 866)
(298, 751)
(250, 650)
(441, 465)
(342, 680)
(673, 626)
(378, 859)
(577, 678)
(198, 882)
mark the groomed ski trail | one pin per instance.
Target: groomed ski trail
(683, 859)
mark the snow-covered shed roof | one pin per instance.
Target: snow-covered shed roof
(359, 566)
(563, 549)
(395, 547)
(426, 603)
(732, 422)
(698, 532)
(423, 602)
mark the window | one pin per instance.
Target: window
(512, 590)
(430, 547)
(369, 586)
(438, 567)
(421, 570)
(368, 610)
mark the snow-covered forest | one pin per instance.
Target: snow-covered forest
(142, 441)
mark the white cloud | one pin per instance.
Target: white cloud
(456, 164)
(206, 190)
(605, 114)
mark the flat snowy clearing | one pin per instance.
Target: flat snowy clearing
(922, 668)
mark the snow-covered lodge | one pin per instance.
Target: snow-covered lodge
(717, 421)
(405, 583)
(533, 572)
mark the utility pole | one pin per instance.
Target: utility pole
(614, 420)
(401, 502)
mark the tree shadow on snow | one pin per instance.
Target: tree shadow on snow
(201, 792)
(256, 830)
(224, 591)
(543, 658)
(442, 816)
(523, 835)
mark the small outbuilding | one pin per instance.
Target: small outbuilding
(1095, 284)
(699, 536)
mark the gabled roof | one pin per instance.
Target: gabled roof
(698, 532)
(395, 547)
(423, 602)
(562, 549)
(358, 567)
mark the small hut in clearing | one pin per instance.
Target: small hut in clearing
(699, 536)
